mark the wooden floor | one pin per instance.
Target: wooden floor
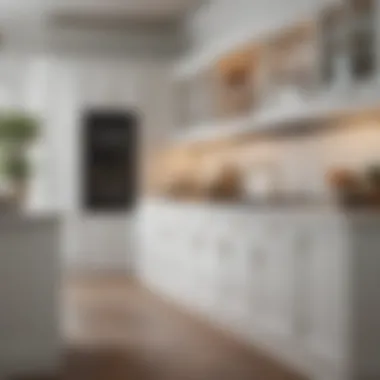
(116, 330)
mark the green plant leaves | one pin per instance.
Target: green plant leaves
(17, 130)
(18, 127)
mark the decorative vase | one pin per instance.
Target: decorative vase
(227, 185)
(347, 186)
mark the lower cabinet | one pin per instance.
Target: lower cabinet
(277, 279)
(30, 341)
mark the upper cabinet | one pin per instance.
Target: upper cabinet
(333, 38)
(255, 75)
(286, 72)
(362, 38)
(348, 41)
(290, 63)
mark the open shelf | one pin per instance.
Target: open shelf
(299, 114)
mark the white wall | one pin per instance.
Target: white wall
(59, 89)
(97, 241)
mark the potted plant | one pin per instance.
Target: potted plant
(17, 131)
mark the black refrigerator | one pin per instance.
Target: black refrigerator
(110, 161)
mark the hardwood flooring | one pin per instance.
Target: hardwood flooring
(116, 330)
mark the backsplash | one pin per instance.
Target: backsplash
(297, 164)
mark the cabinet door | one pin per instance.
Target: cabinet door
(279, 276)
(321, 263)
(29, 283)
(304, 254)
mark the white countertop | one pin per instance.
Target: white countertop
(285, 208)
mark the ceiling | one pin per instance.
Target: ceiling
(26, 19)
(133, 8)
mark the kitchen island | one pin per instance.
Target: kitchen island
(29, 294)
(301, 283)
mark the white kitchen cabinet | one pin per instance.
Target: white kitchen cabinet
(299, 284)
(30, 340)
